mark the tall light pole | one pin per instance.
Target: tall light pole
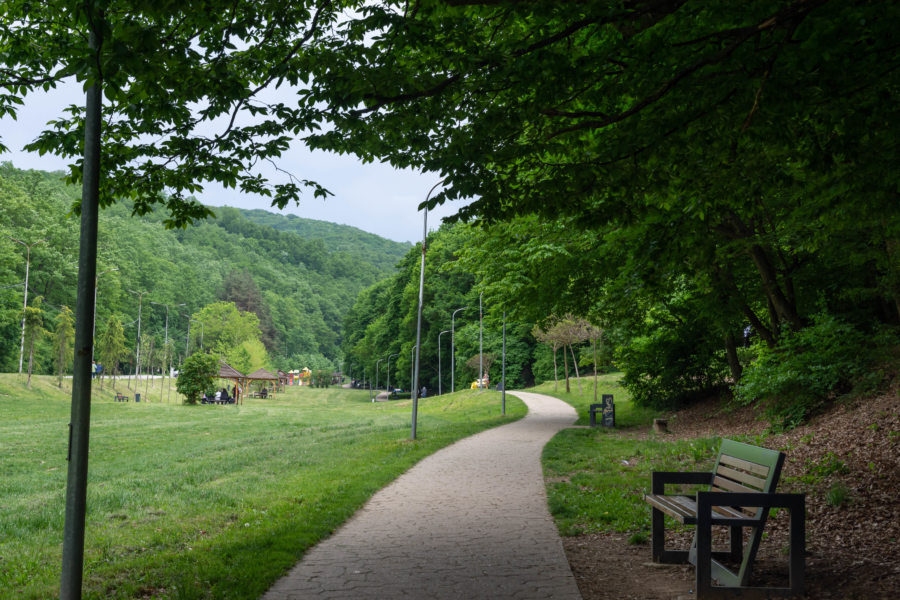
(137, 362)
(166, 343)
(389, 374)
(94, 326)
(439, 359)
(415, 390)
(412, 365)
(377, 362)
(480, 342)
(503, 376)
(25, 303)
(453, 349)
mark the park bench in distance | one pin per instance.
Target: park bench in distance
(121, 397)
(742, 490)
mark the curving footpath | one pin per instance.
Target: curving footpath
(467, 522)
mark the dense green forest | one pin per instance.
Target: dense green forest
(298, 280)
(713, 184)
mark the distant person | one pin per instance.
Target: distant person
(424, 391)
(99, 369)
(93, 369)
(218, 395)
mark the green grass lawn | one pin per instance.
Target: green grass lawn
(627, 414)
(204, 501)
(596, 478)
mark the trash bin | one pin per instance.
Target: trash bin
(137, 397)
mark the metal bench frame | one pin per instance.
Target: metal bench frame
(743, 483)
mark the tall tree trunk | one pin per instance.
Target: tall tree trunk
(785, 309)
(594, 344)
(726, 284)
(555, 371)
(575, 362)
(733, 362)
(30, 360)
(566, 368)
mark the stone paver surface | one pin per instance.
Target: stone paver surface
(469, 521)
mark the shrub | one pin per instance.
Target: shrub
(672, 365)
(807, 368)
(196, 375)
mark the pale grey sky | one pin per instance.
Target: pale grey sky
(373, 197)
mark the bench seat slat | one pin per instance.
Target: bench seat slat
(745, 465)
(757, 483)
(728, 485)
(680, 507)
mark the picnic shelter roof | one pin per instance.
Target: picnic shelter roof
(226, 371)
(262, 374)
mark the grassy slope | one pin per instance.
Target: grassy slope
(204, 501)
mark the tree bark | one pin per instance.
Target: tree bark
(733, 362)
(731, 290)
(575, 362)
(555, 371)
(566, 368)
(785, 309)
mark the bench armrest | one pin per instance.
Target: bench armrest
(659, 479)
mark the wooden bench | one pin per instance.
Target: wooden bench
(121, 397)
(741, 492)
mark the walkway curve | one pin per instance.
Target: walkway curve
(468, 522)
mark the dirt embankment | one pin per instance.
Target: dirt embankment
(847, 461)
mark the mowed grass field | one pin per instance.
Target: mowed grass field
(204, 501)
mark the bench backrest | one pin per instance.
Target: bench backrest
(744, 468)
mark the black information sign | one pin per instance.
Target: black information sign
(608, 418)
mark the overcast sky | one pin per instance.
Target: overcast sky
(373, 197)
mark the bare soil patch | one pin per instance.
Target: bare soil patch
(852, 546)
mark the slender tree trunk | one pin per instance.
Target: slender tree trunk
(566, 368)
(594, 344)
(30, 360)
(730, 289)
(577, 376)
(150, 374)
(785, 309)
(59, 374)
(733, 362)
(555, 371)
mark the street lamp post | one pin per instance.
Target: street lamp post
(439, 359)
(389, 374)
(412, 366)
(480, 343)
(377, 362)
(503, 376)
(166, 343)
(137, 362)
(453, 349)
(94, 325)
(415, 391)
(25, 303)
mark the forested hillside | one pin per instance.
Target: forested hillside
(297, 284)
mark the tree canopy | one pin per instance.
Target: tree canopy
(188, 91)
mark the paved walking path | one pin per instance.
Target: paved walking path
(467, 522)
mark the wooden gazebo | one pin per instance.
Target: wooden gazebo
(228, 372)
(262, 375)
(283, 379)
